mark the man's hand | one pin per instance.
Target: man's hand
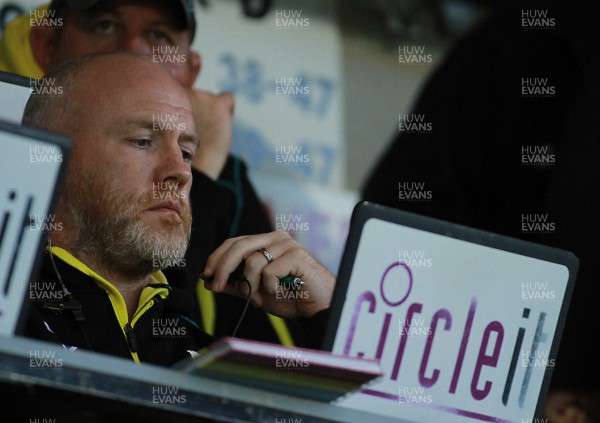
(268, 293)
(213, 116)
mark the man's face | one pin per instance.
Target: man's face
(144, 26)
(127, 191)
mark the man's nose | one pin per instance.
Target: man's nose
(173, 165)
(134, 43)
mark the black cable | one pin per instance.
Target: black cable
(71, 304)
(245, 308)
(60, 281)
(234, 278)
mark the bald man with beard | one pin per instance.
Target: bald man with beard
(114, 224)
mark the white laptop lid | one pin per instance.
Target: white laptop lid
(14, 93)
(31, 166)
(466, 323)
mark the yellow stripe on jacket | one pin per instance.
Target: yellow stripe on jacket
(116, 299)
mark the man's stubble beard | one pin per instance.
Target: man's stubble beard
(108, 227)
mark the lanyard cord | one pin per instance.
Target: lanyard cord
(245, 308)
(70, 303)
(234, 278)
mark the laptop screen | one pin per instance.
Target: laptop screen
(14, 93)
(466, 323)
(31, 165)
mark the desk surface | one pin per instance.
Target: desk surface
(79, 386)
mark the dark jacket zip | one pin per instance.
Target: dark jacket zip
(131, 340)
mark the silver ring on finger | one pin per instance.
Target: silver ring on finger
(267, 255)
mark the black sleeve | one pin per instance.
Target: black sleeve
(213, 208)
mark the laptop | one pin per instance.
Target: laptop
(32, 164)
(466, 323)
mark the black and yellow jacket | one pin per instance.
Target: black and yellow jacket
(94, 317)
(161, 331)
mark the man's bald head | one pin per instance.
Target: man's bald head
(50, 111)
(83, 80)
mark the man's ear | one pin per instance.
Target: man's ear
(42, 46)
(195, 64)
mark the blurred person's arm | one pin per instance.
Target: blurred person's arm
(213, 117)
